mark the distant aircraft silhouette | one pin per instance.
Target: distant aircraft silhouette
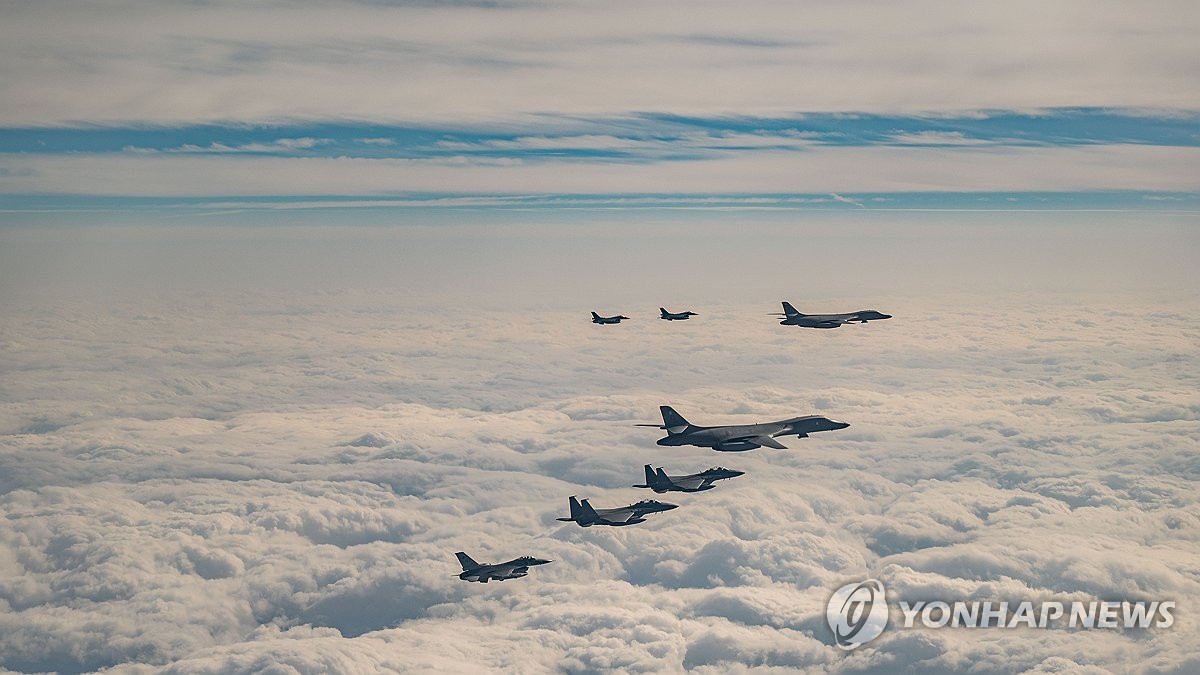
(673, 316)
(596, 318)
(792, 317)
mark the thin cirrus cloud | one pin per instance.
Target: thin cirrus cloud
(1070, 151)
(279, 146)
(429, 63)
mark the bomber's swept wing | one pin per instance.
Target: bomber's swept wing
(763, 439)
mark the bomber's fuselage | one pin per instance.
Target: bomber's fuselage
(832, 320)
(739, 437)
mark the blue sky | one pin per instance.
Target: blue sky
(658, 142)
(681, 137)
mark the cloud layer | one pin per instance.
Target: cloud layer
(253, 482)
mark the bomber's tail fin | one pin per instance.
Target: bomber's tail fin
(466, 562)
(673, 421)
(788, 310)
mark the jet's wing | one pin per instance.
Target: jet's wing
(485, 572)
(621, 515)
(508, 570)
(689, 482)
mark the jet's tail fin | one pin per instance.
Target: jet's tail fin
(662, 476)
(466, 562)
(651, 479)
(673, 421)
(581, 513)
(589, 514)
(788, 310)
(664, 312)
(595, 315)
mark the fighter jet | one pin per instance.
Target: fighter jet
(791, 317)
(518, 567)
(596, 318)
(737, 437)
(672, 316)
(660, 482)
(584, 515)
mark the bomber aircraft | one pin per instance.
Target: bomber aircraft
(792, 317)
(518, 567)
(737, 437)
(660, 482)
(584, 515)
(596, 318)
(676, 316)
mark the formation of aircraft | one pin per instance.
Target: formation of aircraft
(596, 318)
(584, 515)
(660, 482)
(723, 438)
(738, 437)
(513, 569)
(675, 316)
(792, 317)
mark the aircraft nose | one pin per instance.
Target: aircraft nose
(734, 474)
(839, 425)
(668, 507)
(539, 561)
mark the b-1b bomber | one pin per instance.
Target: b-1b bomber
(738, 437)
(793, 317)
